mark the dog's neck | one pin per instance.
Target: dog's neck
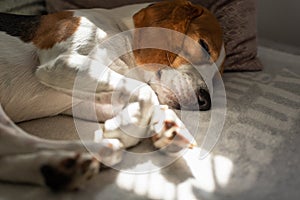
(124, 19)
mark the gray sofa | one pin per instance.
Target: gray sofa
(257, 156)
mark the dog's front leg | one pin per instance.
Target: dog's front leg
(131, 125)
(92, 78)
(145, 118)
(89, 81)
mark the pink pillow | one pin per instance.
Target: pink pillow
(237, 18)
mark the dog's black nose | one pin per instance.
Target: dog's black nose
(204, 100)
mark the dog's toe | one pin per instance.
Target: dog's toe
(70, 172)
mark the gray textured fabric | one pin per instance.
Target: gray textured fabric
(260, 142)
(29, 7)
(238, 20)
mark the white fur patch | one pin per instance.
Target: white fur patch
(22, 96)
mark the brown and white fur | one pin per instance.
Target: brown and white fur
(39, 59)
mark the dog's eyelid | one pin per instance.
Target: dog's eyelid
(158, 73)
(151, 5)
(204, 45)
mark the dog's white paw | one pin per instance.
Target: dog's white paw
(129, 126)
(69, 171)
(167, 131)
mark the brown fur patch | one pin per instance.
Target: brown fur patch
(55, 28)
(170, 124)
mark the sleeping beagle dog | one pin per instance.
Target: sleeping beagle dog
(42, 56)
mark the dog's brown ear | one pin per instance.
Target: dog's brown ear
(167, 14)
(174, 15)
(207, 31)
(139, 18)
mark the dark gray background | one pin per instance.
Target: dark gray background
(279, 24)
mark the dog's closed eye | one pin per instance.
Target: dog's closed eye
(158, 74)
(151, 5)
(204, 45)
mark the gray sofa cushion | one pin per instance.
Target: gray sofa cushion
(28, 7)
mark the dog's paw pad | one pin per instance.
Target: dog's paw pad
(170, 134)
(70, 173)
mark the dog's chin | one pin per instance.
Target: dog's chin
(175, 103)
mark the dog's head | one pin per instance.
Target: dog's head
(177, 80)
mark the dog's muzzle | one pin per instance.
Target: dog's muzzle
(201, 100)
(182, 89)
